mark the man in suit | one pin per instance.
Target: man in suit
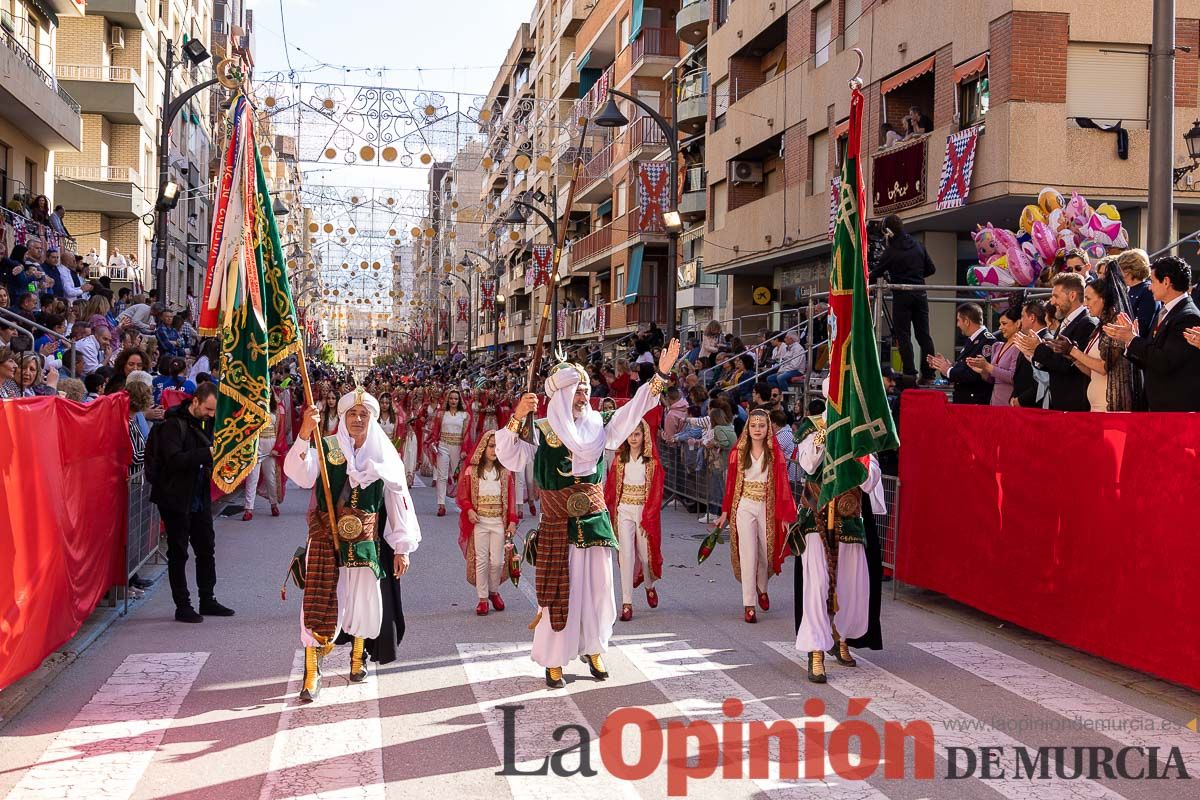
(970, 388)
(1170, 364)
(1027, 390)
(1068, 386)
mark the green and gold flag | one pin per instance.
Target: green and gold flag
(246, 302)
(859, 420)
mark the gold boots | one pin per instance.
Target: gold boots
(358, 661)
(816, 666)
(312, 674)
(841, 651)
(595, 666)
(554, 678)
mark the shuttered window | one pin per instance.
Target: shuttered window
(823, 25)
(1108, 86)
(852, 11)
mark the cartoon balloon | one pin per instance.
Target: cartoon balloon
(986, 246)
(1077, 212)
(1030, 215)
(1021, 268)
(1094, 249)
(1046, 242)
(1049, 200)
(1103, 230)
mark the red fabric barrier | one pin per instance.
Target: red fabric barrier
(64, 491)
(1079, 526)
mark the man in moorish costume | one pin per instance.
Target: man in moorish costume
(366, 479)
(837, 580)
(576, 607)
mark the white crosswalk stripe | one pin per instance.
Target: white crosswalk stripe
(330, 749)
(107, 748)
(1086, 708)
(894, 698)
(500, 673)
(698, 687)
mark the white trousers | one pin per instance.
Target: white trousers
(250, 487)
(591, 611)
(410, 454)
(360, 606)
(752, 549)
(631, 534)
(447, 461)
(489, 555)
(853, 595)
(524, 484)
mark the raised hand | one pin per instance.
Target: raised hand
(666, 362)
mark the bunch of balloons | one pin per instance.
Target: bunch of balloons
(1047, 230)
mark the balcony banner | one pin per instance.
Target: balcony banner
(957, 168)
(899, 177)
(587, 321)
(560, 322)
(530, 272)
(462, 309)
(654, 195)
(835, 189)
(543, 260)
(602, 319)
(487, 290)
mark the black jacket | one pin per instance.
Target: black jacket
(1068, 384)
(970, 388)
(1170, 364)
(904, 261)
(182, 449)
(1025, 385)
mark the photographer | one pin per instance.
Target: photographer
(904, 261)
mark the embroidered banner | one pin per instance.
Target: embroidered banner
(654, 195)
(543, 259)
(602, 319)
(899, 177)
(561, 322)
(957, 168)
(587, 321)
(835, 189)
(530, 272)
(487, 290)
(462, 309)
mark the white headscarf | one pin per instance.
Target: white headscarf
(377, 459)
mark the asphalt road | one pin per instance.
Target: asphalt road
(158, 709)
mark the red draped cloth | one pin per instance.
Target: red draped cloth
(1078, 526)
(64, 489)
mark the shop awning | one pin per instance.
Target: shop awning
(910, 74)
(635, 273)
(972, 68)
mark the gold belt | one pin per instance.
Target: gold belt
(489, 506)
(754, 490)
(633, 495)
(576, 501)
(452, 438)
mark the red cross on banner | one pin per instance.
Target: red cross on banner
(957, 168)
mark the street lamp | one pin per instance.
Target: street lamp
(1192, 140)
(611, 117)
(499, 298)
(278, 207)
(515, 217)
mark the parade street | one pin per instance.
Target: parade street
(149, 712)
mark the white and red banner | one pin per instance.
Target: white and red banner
(462, 309)
(654, 195)
(957, 168)
(543, 260)
(602, 319)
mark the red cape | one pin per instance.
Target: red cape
(465, 527)
(652, 510)
(785, 503)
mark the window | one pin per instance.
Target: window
(839, 150)
(720, 103)
(31, 181)
(623, 34)
(720, 204)
(1108, 86)
(619, 198)
(818, 162)
(823, 33)
(851, 11)
(972, 101)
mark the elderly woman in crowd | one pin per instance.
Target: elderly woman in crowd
(140, 398)
(36, 380)
(8, 372)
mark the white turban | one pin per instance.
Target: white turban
(377, 458)
(358, 397)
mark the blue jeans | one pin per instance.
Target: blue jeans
(782, 381)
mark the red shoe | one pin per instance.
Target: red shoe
(751, 616)
(247, 516)
(482, 608)
(764, 602)
(274, 510)
(497, 601)
(626, 612)
(441, 511)
(532, 508)
(638, 581)
(652, 598)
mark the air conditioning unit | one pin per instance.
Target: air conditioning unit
(745, 172)
(116, 39)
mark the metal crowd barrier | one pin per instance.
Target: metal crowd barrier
(143, 528)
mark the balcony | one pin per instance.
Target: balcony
(593, 253)
(34, 102)
(654, 51)
(117, 93)
(571, 16)
(696, 288)
(595, 179)
(693, 101)
(111, 191)
(590, 103)
(644, 132)
(691, 23)
(567, 78)
(126, 13)
(655, 229)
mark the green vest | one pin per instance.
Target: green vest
(368, 499)
(552, 471)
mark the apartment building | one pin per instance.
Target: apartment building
(461, 230)
(1026, 74)
(39, 118)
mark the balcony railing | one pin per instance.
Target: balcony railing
(93, 172)
(593, 244)
(655, 42)
(591, 102)
(36, 68)
(96, 72)
(566, 76)
(645, 132)
(691, 273)
(599, 167)
(645, 309)
(693, 85)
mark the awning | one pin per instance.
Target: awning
(842, 129)
(583, 60)
(910, 74)
(635, 19)
(970, 69)
(635, 273)
(604, 208)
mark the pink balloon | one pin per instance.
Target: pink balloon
(1023, 271)
(1045, 241)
